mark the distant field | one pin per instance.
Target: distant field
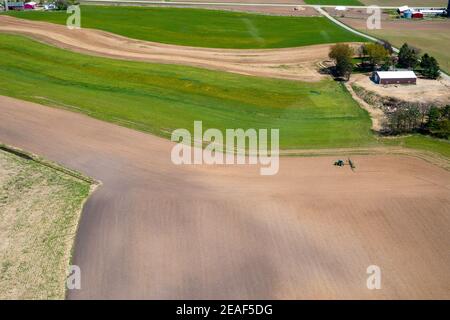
(335, 2)
(39, 212)
(422, 3)
(160, 98)
(204, 28)
(431, 36)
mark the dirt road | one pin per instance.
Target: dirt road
(289, 63)
(156, 230)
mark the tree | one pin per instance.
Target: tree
(64, 4)
(405, 118)
(438, 123)
(433, 118)
(387, 45)
(408, 57)
(342, 55)
(430, 67)
(376, 54)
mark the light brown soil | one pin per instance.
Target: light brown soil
(353, 13)
(291, 63)
(156, 230)
(428, 91)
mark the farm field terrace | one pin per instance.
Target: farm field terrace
(160, 98)
(204, 28)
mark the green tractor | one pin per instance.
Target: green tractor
(341, 163)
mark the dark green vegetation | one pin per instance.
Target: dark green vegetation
(429, 67)
(160, 98)
(204, 28)
(438, 122)
(335, 2)
(408, 57)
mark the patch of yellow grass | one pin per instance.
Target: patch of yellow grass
(39, 213)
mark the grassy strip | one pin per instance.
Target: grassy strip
(160, 98)
(39, 212)
(203, 28)
(420, 142)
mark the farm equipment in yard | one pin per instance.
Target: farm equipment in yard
(351, 164)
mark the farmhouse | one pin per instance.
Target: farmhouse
(394, 77)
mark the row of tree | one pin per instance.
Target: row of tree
(380, 56)
(416, 117)
(408, 57)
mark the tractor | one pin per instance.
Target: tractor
(341, 163)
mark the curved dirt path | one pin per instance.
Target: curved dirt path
(290, 63)
(158, 231)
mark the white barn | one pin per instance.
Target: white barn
(394, 77)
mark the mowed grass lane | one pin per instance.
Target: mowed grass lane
(203, 28)
(160, 98)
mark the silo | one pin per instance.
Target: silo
(407, 14)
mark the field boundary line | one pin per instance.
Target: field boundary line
(428, 156)
(47, 163)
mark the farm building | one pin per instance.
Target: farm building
(30, 6)
(394, 77)
(402, 9)
(15, 5)
(409, 13)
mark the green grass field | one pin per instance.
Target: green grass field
(335, 2)
(203, 28)
(160, 98)
(420, 142)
